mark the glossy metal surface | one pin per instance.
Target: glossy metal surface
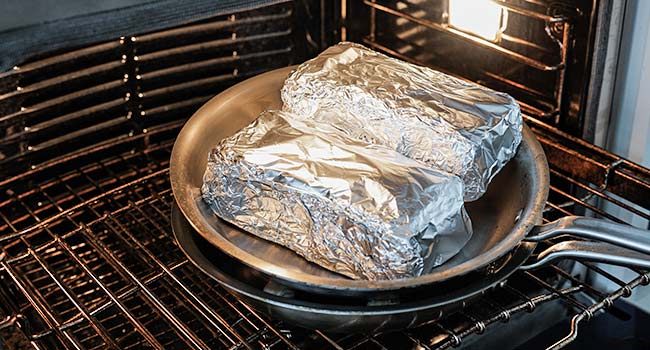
(594, 229)
(377, 311)
(590, 251)
(336, 314)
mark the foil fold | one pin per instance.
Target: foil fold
(362, 210)
(447, 123)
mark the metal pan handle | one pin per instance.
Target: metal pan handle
(626, 245)
(594, 229)
(590, 251)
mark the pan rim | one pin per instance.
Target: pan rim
(530, 215)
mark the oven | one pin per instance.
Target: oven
(90, 106)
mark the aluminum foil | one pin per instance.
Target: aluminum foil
(361, 210)
(447, 123)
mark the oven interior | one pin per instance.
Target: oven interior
(87, 257)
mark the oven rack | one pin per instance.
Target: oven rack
(88, 261)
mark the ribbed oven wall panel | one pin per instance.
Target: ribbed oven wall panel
(60, 104)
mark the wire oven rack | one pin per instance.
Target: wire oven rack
(87, 259)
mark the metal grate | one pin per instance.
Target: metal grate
(405, 29)
(88, 261)
(539, 55)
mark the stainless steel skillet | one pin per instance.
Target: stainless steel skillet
(503, 218)
(335, 313)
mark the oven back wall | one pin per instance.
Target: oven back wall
(16, 13)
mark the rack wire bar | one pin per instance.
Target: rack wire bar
(607, 173)
(109, 264)
(518, 57)
(548, 111)
(92, 94)
(550, 59)
(522, 11)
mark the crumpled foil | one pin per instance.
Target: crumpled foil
(445, 122)
(361, 210)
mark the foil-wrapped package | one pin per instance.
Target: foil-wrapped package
(361, 210)
(447, 123)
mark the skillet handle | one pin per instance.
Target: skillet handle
(590, 251)
(594, 229)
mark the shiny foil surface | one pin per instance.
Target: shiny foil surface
(447, 123)
(361, 210)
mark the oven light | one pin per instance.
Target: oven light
(481, 17)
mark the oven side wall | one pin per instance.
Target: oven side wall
(629, 122)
